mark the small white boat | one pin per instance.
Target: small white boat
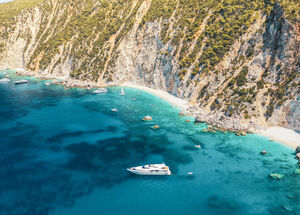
(21, 82)
(198, 146)
(151, 169)
(100, 90)
(190, 173)
(114, 110)
(4, 80)
(122, 92)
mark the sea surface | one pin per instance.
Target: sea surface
(64, 152)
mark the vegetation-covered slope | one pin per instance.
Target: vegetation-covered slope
(237, 57)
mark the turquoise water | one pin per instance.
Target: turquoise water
(65, 152)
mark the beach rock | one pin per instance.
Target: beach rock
(147, 118)
(4, 80)
(243, 133)
(198, 120)
(238, 134)
(297, 150)
(263, 152)
(276, 176)
(298, 156)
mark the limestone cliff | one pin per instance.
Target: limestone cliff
(236, 62)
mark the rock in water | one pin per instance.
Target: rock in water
(4, 80)
(147, 118)
(297, 149)
(276, 176)
(263, 152)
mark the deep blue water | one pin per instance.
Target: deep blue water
(64, 152)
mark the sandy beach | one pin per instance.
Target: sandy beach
(286, 136)
(179, 103)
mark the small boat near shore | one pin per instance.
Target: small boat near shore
(100, 90)
(21, 82)
(122, 93)
(151, 169)
(114, 110)
(4, 80)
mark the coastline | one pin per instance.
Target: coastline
(283, 135)
(175, 101)
(286, 136)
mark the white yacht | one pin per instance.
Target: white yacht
(122, 92)
(114, 110)
(21, 82)
(100, 90)
(151, 169)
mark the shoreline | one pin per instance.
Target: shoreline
(285, 136)
(175, 101)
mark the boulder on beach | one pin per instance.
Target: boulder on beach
(198, 120)
(243, 133)
(147, 118)
(4, 80)
(298, 156)
(276, 176)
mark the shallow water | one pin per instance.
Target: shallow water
(65, 152)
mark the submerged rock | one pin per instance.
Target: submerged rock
(276, 176)
(297, 171)
(155, 127)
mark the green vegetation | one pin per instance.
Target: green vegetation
(9, 10)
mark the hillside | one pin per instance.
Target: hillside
(235, 61)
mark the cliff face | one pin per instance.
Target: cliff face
(229, 59)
